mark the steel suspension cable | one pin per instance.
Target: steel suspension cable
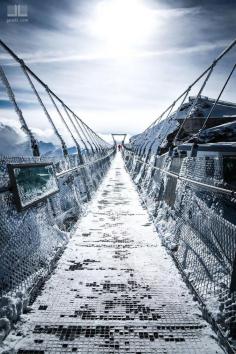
(24, 126)
(63, 144)
(94, 138)
(141, 138)
(217, 99)
(103, 143)
(195, 137)
(175, 115)
(81, 125)
(88, 132)
(192, 106)
(68, 128)
(167, 118)
(73, 124)
(17, 59)
(220, 56)
(90, 135)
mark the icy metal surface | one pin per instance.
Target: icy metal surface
(115, 289)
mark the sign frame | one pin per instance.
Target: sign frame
(14, 188)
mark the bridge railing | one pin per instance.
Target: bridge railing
(44, 185)
(189, 187)
(193, 210)
(31, 238)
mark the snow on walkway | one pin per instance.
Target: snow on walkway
(115, 289)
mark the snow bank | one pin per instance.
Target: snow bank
(161, 135)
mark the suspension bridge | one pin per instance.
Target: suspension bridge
(131, 251)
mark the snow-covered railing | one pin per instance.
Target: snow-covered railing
(44, 185)
(32, 239)
(208, 186)
(188, 187)
(193, 210)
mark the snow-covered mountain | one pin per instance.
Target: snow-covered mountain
(13, 142)
(160, 135)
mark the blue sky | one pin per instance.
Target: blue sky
(117, 63)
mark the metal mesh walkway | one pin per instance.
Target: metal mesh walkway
(115, 289)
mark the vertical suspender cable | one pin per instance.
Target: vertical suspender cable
(63, 120)
(175, 115)
(168, 115)
(194, 102)
(76, 129)
(88, 130)
(93, 137)
(81, 126)
(64, 148)
(217, 99)
(88, 135)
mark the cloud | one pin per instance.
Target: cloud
(115, 89)
(52, 57)
(12, 140)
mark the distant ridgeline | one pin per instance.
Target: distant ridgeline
(184, 166)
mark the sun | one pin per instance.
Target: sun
(122, 24)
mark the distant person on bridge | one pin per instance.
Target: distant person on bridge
(119, 147)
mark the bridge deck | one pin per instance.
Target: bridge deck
(115, 289)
